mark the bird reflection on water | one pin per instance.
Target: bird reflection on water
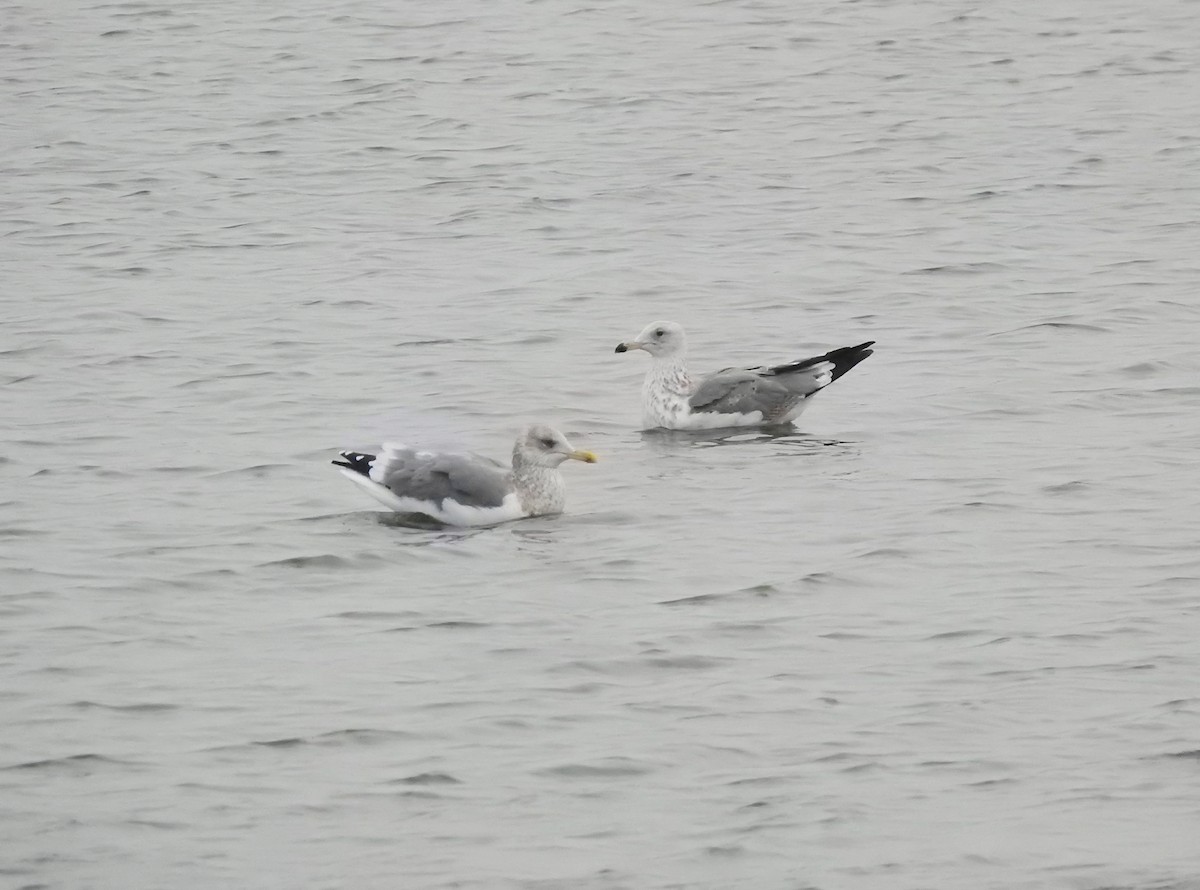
(786, 435)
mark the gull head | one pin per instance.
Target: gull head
(662, 339)
(544, 446)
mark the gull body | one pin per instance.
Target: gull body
(467, 489)
(733, 397)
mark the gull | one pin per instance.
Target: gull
(734, 397)
(467, 489)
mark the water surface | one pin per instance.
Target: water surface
(943, 634)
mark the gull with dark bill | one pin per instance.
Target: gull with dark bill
(672, 399)
(466, 489)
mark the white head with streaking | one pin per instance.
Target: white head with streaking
(540, 445)
(537, 454)
(662, 339)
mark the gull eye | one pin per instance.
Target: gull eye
(659, 332)
(549, 443)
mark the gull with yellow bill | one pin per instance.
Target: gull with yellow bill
(467, 489)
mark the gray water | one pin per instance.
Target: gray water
(945, 634)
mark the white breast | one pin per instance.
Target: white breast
(541, 490)
(665, 394)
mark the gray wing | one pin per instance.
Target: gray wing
(467, 479)
(774, 391)
(743, 391)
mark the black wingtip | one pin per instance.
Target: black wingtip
(356, 461)
(621, 347)
(842, 359)
(848, 356)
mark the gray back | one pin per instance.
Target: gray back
(468, 479)
(742, 391)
